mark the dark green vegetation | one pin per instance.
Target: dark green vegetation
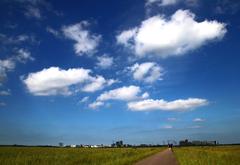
(83, 156)
(220, 155)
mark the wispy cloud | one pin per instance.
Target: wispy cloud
(85, 41)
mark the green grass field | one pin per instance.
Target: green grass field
(222, 155)
(66, 156)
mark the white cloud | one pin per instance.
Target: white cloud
(33, 12)
(96, 104)
(104, 61)
(176, 36)
(126, 36)
(86, 42)
(147, 72)
(84, 99)
(176, 105)
(124, 93)
(6, 66)
(18, 39)
(162, 2)
(24, 55)
(5, 93)
(97, 83)
(53, 31)
(145, 95)
(167, 127)
(9, 64)
(198, 120)
(195, 127)
(56, 81)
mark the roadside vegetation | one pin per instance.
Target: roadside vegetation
(219, 155)
(73, 156)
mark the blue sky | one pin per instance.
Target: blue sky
(144, 71)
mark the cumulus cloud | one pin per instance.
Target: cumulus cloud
(176, 36)
(86, 42)
(147, 72)
(97, 83)
(96, 104)
(198, 120)
(176, 105)
(124, 93)
(57, 81)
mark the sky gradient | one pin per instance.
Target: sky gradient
(143, 71)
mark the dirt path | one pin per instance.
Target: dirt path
(165, 157)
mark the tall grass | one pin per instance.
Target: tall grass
(73, 156)
(222, 155)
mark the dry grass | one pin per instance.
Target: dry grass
(222, 155)
(66, 156)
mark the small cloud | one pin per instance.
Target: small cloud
(2, 104)
(96, 104)
(198, 120)
(85, 99)
(195, 127)
(104, 61)
(176, 105)
(171, 119)
(33, 12)
(85, 41)
(167, 127)
(53, 31)
(148, 72)
(5, 93)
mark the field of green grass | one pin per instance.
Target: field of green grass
(66, 156)
(221, 155)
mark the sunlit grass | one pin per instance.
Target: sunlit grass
(221, 155)
(83, 156)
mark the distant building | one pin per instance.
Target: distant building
(118, 144)
(197, 143)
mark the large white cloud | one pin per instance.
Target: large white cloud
(176, 36)
(147, 72)
(176, 105)
(56, 81)
(124, 93)
(86, 42)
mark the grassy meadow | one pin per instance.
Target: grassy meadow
(82, 156)
(221, 155)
